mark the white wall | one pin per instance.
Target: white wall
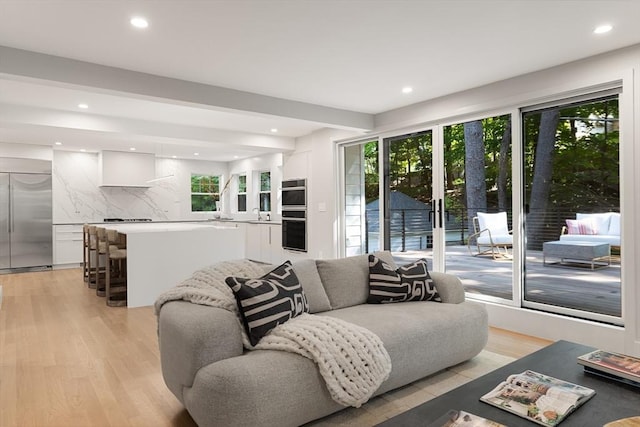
(314, 159)
(78, 198)
(564, 81)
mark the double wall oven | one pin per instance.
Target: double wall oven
(294, 214)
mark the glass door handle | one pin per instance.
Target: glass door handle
(432, 214)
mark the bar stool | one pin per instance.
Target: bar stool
(102, 255)
(85, 252)
(94, 269)
(116, 275)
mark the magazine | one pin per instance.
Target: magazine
(455, 418)
(538, 397)
(617, 365)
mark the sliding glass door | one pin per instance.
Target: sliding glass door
(387, 196)
(572, 209)
(535, 223)
(361, 231)
(478, 212)
(407, 191)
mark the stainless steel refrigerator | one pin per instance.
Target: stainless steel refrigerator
(25, 220)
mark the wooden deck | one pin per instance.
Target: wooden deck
(596, 291)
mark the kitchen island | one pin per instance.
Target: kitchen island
(161, 255)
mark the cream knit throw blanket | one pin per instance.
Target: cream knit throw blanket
(352, 360)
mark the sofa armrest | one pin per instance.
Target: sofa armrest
(449, 287)
(191, 336)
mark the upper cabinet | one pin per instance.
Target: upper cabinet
(125, 169)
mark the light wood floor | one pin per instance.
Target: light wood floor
(66, 359)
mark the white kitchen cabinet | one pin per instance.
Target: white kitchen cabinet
(67, 244)
(275, 244)
(264, 242)
(253, 245)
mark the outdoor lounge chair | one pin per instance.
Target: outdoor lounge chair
(491, 235)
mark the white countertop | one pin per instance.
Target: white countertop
(147, 227)
(193, 221)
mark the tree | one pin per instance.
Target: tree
(542, 175)
(476, 188)
(503, 167)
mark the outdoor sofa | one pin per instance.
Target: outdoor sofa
(593, 227)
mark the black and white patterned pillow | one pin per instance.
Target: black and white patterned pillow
(408, 283)
(268, 301)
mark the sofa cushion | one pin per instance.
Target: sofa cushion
(614, 224)
(600, 221)
(407, 283)
(346, 280)
(581, 226)
(268, 301)
(307, 273)
(421, 337)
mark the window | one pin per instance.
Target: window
(572, 176)
(205, 192)
(265, 191)
(478, 197)
(361, 193)
(242, 193)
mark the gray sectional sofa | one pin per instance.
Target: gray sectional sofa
(221, 384)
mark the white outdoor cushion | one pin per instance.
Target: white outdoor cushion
(497, 239)
(614, 224)
(497, 224)
(599, 220)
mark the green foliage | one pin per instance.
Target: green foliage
(265, 181)
(454, 157)
(586, 157)
(242, 183)
(205, 184)
(371, 175)
(204, 202)
(205, 192)
(410, 158)
(585, 160)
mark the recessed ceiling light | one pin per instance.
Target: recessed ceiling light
(602, 29)
(83, 150)
(58, 143)
(139, 22)
(196, 154)
(236, 157)
(132, 149)
(83, 106)
(407, 89)
(174, 157)
(274, 130)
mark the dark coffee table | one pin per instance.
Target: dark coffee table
(612, 401)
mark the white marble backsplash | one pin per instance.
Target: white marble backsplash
(77, 198)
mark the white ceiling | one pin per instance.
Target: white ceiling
(294, 65)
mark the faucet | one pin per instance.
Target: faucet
(258, 211)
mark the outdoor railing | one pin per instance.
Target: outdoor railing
(412, 229)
